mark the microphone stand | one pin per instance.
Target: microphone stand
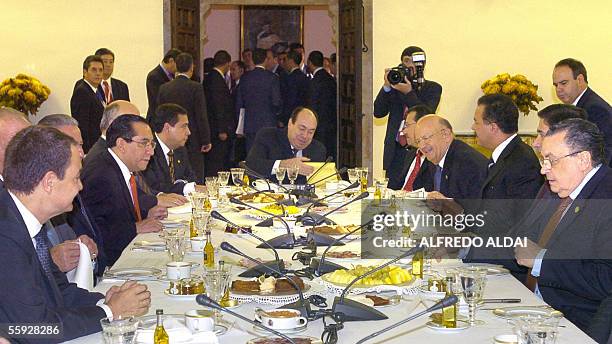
(446, 302)
(285, 241)
(315, 202)
(302, 304)
(357, 311)
(327, 161)
(338, 173)
(206, 301)
(314, 219)
(258, 270)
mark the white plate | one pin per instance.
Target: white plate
(279, 294)
(492, 269)
(136, 274)
(439, 328)
(313, 340)
(181, 297)
(296, 330)
(150, 244)
(513, 312)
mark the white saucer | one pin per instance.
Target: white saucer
(439, 328)
(296, 330)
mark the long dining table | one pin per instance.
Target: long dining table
(497, 286)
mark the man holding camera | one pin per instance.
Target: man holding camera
(404, 87)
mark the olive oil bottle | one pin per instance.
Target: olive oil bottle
(160, 336)
(209, 253)
(449, 314)
(417, 264)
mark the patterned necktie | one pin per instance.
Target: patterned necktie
(171, 165)
(415, 171)
(108, 95)
(548, 231)
(295, 151)
(42, 250)
(438, 178)
(135, 198)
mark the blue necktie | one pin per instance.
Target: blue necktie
(42, 250)
(437, 178)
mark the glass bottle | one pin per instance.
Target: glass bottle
(207, 205)
(417, 264)
(449, 314)
(160, 336)
(245, 181)
(193, 231)
(209, 252)
(377, 193)
(226, 294)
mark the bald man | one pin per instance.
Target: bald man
(453, 169)
(11, 121)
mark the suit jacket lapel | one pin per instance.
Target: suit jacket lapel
(499, 165)
(124, 189)
(161, 161)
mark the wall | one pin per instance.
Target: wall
(50, 40)
(223, 30)
(470, 41)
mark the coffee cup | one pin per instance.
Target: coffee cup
(200, 320)
(178, 270)
(197, 244)
(280, 318)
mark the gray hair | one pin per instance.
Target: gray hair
(58, 120)
(581, 135)
(10, 113)
(111, 111)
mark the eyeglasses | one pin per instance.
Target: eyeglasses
(144, 143)
(424, 139)
(406, 124)
(548, 163)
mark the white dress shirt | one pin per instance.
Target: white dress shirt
(189, 187)
(500, 148)
(125, 171)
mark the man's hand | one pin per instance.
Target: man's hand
(404, 87)
(525, 256)
(91, 245)
(131, 299)
(206, 148)
(157, 213)
(66, 255)
(387, 83)
(148, 226)
(169, 200)
(222, 136)
(304, 169)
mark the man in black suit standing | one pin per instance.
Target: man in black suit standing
(109, 185)
(568, 252)
(86, 103)
(450, 163)
(33, 290)
(221, 115)
(258, 100)
(287, 147)
(571, 85)
(163, 73)
(169, 169)
(394, 100)
(323, 102)
(295, 90)
(113, 89)
(513, 177)
(190, 95)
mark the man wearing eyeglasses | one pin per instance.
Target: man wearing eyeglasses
(109, 185)
(568, 252)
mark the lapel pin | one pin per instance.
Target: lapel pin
(576, 210)
(178, 161)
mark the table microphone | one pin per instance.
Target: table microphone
(314, 219)
(315, 202)
(258, 270)
(302, 305)
(446, 302)
(285, 241)
(357, 311)
(206, 301)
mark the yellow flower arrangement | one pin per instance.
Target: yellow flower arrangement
(24, 93)
(522, 91)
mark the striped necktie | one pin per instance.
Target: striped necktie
(42, 250)
(171, 165)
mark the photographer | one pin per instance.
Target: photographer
(396, 97)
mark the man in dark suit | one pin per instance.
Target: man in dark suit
(323, 102)
(32, 289)
(553, 114)
(86, 104)
(394, 100)
(406, 167)
(295, 88)
(113, 89)
(258, 99)
(169, 169)
(190, 95)
(513, 178)
(109, 186)
(450, 163)
(568, 251)
(163, 73)
(287, 147)
(571, 85)
(221, 115)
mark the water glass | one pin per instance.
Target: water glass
(197, 200)
(216, 282)
(176, 247)
(363, 178)
(536, 329)
(212, 184)
(237, 175)
(473, 281)
(119, 331)
(223, 177)
(353, 175)
(200, 221)
(292, 173)
(280, 174)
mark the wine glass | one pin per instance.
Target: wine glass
(223, 177)
(280, 174)
(212, 184)
(197, 200)
(353, 175)
(216, 281)
(473, 281)
(363, 178)
(292, 173)
(200, 221)
(175, 244)
(237, 175)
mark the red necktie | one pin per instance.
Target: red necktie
(107, 92)
(135, 198)
(415, 172)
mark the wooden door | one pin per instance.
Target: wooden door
(185, 23)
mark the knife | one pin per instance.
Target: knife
(500, 301)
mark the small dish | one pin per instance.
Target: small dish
(439, 328)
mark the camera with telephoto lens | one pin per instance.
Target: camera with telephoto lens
(399, 73)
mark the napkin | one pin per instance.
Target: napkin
(82, 275)
(181, 209)
(178, 333)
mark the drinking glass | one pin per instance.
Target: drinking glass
(119, 331)
(223, 177)
(197, 200)
(200, 221)
(292, 173)
(212, 184)
(280, 174)
(363, 178)
(237, 175)
(175, 245)
(536, 328)
(216, 281)
(473, 281)
(353, 175)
